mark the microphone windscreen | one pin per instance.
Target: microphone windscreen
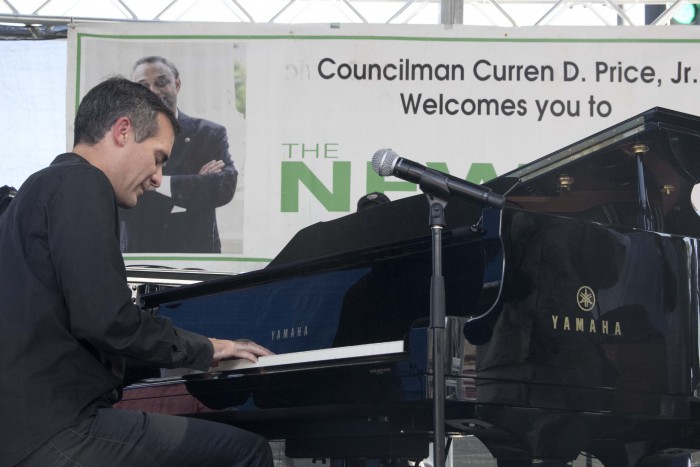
(383, 162)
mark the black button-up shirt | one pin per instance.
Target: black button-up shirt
(66, 316)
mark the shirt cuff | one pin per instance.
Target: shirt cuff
(196, 351)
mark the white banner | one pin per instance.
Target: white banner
(305, 107)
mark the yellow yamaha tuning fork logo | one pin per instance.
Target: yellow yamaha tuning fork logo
(585, 297)
(586, 300)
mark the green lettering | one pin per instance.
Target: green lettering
(296, 173)
(481, 172)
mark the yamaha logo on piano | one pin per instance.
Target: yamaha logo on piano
(290, 333)
(586, 300)
(585, 297)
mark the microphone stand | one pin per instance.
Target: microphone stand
(431, 185)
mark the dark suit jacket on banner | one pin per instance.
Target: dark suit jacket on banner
(185, 223)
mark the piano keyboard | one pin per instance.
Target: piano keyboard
(310, 356)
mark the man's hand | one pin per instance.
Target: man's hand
(212, 167)
(224, 349)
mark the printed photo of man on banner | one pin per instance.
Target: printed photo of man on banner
(198, 206)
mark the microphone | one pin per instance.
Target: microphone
(386, 162)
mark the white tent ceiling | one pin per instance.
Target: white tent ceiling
(471, 12)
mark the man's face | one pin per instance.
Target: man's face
(160, 79)
(141, 168)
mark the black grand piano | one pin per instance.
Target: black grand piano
(571, 317)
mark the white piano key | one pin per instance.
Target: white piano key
(336, 353)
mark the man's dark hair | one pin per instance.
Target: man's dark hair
(115, 98)
(157, 59)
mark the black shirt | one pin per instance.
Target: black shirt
(66, 316)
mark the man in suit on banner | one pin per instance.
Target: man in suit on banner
(200, 176)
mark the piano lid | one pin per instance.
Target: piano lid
(598, 178)
(639, 126)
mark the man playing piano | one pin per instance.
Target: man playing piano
(67, 322)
